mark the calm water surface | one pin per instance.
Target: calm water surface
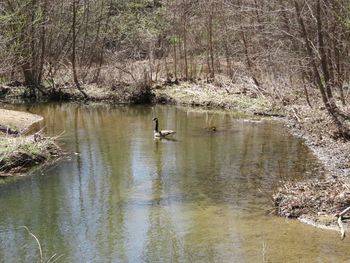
(125, 197)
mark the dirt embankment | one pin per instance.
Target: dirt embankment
(317, 201)
(20, 151)
(16, 122)
(117, 92)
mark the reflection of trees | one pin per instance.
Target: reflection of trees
(270, 156)
(162, 242)
(105, 172)
(85, 208)
(113, 181)
(117, 181)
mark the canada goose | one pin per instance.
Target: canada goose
(211, 129)
(163, 133)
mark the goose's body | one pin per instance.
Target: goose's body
(161, 133)
(212, 128)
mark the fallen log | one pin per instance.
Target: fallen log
(268, 114)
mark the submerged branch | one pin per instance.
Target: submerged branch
(37, 241)
(342, 231)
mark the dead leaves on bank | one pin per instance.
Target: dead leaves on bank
(315, 198)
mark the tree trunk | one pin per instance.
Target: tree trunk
(175, 60)
(43, 44)
(185, 49)
(211, 49)
(75, 76)
(337, 116)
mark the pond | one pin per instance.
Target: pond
(123, 196)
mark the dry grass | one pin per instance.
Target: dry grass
(18, 154)
(226, 95)
(52, 259)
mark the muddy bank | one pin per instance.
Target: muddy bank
(20, 151)
(118, 92)
(16, 122)
(244, 98)
(317, 201)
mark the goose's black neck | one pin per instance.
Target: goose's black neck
(156, 126)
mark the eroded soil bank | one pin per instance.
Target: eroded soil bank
(20, 151)
(318, 200)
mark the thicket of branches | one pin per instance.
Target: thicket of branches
(303, 44)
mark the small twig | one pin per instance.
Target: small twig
(37, 241)
(127, 72)
(269, 114)
(57, 258)
(54, 259)
(296, 115)
(59, 135)
(41, 130)
(340, 223)
(342, 231)
(345, 211)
